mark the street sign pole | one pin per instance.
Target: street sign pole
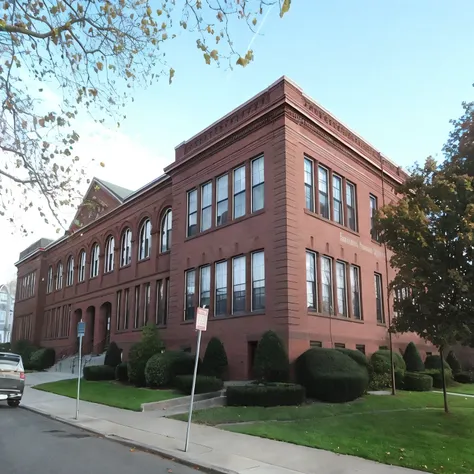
(81, 329)
(201, 325)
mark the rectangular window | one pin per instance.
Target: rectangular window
(239, 192)
(326, 285)
(258, 184)
(205, 286)
(126, 308)
(192, 213)
(167, 304)
(360, 348)
(258, 281)
(160, 303)
(220, 307)
(137, 307)
(206, 206)
(309, 184)
(324, 192)
(222, 198)
(311, 281)
(373, 212)
(119, 309)
(341, 288)
(339, 345)
(351, 206)
(355, 292)
(337, 199)
(315, 344)
(146, 303)
(379, 298)
(238, 284)
(190, 281)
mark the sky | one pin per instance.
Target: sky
(394, 72)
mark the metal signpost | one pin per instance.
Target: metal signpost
(201, 325)
(81, 330)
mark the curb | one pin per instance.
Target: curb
(164, 453)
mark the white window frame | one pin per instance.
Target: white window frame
(342, 265)
(352, 192)
(252, 274)
(95, 264)
(328, 184)
(126, 247)
(340, 201)
(205, 271)
(81, 268)
(166, 231)
(314, 281)
(70, 271)
(206, 208)
(221, 264)
(309, 185)
(257, 183)
(144, 240)
(221, 199)
(49, 285)
(330, 311)
(190, 193)
(356, 281)
(109, 254)
(244, 259)
(242, 191)
(59, 276)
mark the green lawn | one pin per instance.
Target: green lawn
(409, 430)
(467, 388)
(108, 393)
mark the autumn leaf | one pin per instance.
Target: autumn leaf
(100, 66)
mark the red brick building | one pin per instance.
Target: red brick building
(265, 216)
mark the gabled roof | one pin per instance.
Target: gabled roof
(117, 191)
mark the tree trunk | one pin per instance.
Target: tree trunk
(445, 395)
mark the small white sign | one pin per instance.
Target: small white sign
(201, 319)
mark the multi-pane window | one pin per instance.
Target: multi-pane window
(49, 284)
(379, 298)
(166, 229)
(315, 344)
(137, 307)
(239, 192)
(118, 312)
(109, 254)
(337, 199)
(144, 248)
(126, 248)
(399, 295)
(309, 184)
(95, 260)
(59, 276)
(126, 308)
(190, 281)
(341, 288)
(161, 307)
(311, 281)
(258, 184)
(222, 198)
(220, 307)
(81, 269)
(238, 284)
(323, 183)
(360, 348)
(373, 213)
(146, 305)
(258, 281)
(351, 206)
(206, 206)
(205, 286)
(339, 345)
(192, 213)
(70, 271)
(326, 285)
(355, 292)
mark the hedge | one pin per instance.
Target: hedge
(121, 372)
(42, 359)
(99, 372)
(331, 376)
(113, 356)
(204, 384)
(380, 361)
(215, 361)
(454, 363)
(24, 348)
(418, 382)
(434, 362)
(265, 395)
(437, 377)
(161, 369)
(356, 355)
(464, 377)
(271, 359)
(413, 359)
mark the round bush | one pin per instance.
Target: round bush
(330, 375)
(413, 359)
(417, 382)
(380, 361)
(161, 369)
(464, 377)
(437, 377)
(356, 355)
(265, 395)
(434, 362)
(121, 372)
(204, 384)
(99, 372)
(454, 363)
(271, 359)
(215, 359)
(113, 356)
(42, 359)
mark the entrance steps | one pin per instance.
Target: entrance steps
(70, 364)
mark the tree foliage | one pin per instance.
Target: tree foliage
(94, 53)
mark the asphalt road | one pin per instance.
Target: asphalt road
(31, 443)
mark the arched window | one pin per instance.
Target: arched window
(59, 276)
(126, 248)
(144, 240)
(109, 254)
(49, 284)
(166, 231)
(70, 271)
(95, 260)
(81, 269)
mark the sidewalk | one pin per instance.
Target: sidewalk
(210, 448)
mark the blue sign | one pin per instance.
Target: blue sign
(81, 329)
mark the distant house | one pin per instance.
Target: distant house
(7, 303)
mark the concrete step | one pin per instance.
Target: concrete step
(200, 405)
(180, 401)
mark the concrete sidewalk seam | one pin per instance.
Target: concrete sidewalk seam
(167, 454)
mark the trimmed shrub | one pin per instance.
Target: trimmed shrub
(215, 359)
(161, 369)
(99, 372)
(437, 377)
(413, 359)
(121, 372)
(381, 361)
(204, 384)
(454, 363)
(356, 355)
(464, 377)
(5, 347)
(141, 352)
(434, 362)
(418, 382)
(113, 356)
(265, 395)
(24, 348)
(399, 380)
(42, 359)
(379, 382)
(330, 375)
(271, 359)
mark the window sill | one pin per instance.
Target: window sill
(329, 221)
(337, 318)
(382, 325)
(109, 272)
(125, 266)
(225, 317)
(166, 252)
(147, 259)
(376, 242)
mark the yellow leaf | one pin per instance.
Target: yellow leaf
(285, 7)
(207, 58)
(102, 164)
(171, 75)
(100, 66)
(254, 21)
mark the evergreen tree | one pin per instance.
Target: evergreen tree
(413, 359)
(215, 359)
(271, 359)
